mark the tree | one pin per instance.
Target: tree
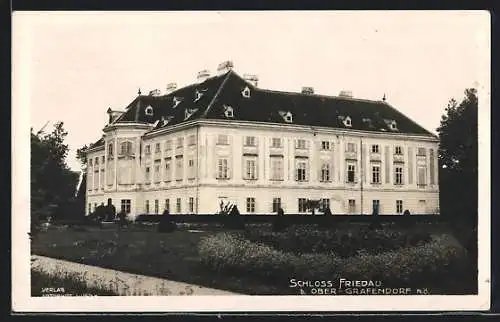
(81, 154)
(52, 182)
(458, 159)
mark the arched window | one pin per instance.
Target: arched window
(149, 110)
(110, 150)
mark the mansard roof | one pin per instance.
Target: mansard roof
(250, 103)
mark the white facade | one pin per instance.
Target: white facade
(201, 162)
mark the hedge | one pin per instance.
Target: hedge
(437, 260)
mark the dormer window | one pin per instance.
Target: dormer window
(348, 121)
(198, 94)
(149, 110)
(287, 116)
(246, 92)
(176, 101)
(228, 111)
(394, 126)
(188, 113)
(166, 120)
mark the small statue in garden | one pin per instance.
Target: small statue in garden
(167, 225)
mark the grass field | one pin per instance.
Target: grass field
(142, 250)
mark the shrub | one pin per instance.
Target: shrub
(436, 260)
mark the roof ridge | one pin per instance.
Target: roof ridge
(221, 86)
(319, 95)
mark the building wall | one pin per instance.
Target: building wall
(188, 167)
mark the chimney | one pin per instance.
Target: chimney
(224, 67)
(155, 92)
(252, 79)
(345, 93)
(171, 87)
(307, 90)
(203, 75)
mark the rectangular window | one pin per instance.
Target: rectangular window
(376, 206)
(375, 148)
(222, 169)
(325, 172)
(302, 204)
(300, 144)
(97, 161)
(168, 169)
(222, 139)
(431, 167)
(168, 145)
(276, 204)
(421, 152)
(147, 207)
(95, 205)
(250, 141)
(102, 159)
(376, 174)
(325, 145)
(352, 206)
(301, 171)
(191, 169)
(191, 140)
(157, 207)
(179, 167)
(101, 179)
(351, 147)
(126, 148)
(398, 175)
(277, 168)
(276, 143)
(250, 204)
(147, 175)
(325, 203)
(251, 169)
(191, 204)
(147, 149)
(157, 172)
(167, 205)
(90, 162)
(398, 150)
(125, 205)
(351, 173)
(110, 150)
(90, 208)
(178, 205)
(421, 176)
(399, 206)
(157, 148)
(180, 142)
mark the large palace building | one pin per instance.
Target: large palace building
(224, 140)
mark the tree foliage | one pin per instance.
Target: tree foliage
(52, 182)
(458, 159)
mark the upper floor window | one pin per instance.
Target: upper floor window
(110, 149)
(222, 139)
(250, 141)
(376, 174)
(300, 144)
(223, 169)
(147, 149)
(348, 121)
(422, 174)
(148, 174)
(157, 148)
(301, 170)
(398, 172)
(90, 162)
(179, 167)
(421, 152)
(103, 159)
(398, 150)
(149, 110)
(325, 172)
(288, 117)
(168, 145)
(351, 173)
(245, 92)
(96, 160)
(126, 148)
(191, 140)
(375, 148)
(325, 145)
(351, 147)
(276, 143)
(276, 168)
(180, 142)
(250, 168)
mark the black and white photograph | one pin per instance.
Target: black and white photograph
(265, 161)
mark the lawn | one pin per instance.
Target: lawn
(175, 256)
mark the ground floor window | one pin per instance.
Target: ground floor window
(352, 205)
(157, 206)
(250, 204)
(95, 206)
(125, 205)
(276, 204)
(399, 206)
(325, 203)
(178, 206)
(90, 208)
(376, 206)
(191, 204)
(302, 205)
(147, 207)
(167, 205)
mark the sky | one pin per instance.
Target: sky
(72, 67)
